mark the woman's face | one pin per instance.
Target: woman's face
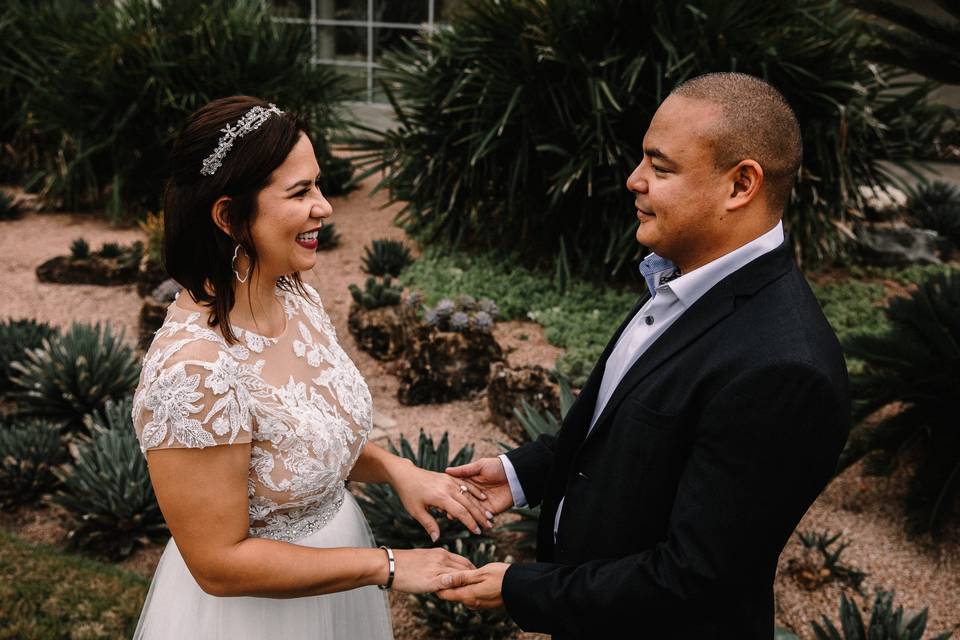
(290, 211)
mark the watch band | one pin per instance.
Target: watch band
(392, 566)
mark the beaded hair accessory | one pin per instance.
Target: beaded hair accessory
(250, 121)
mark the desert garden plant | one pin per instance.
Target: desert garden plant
(79, 249)
(386, 258)
(29, 451)
(108, 493)
(828, 568)
(914, 363)
(74, 374)
(327, 237)
(519, 124)
(884, 623)
(936, 205)
(391, 524)
(16, 336)
(376, 293)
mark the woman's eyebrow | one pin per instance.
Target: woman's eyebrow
(302, 183)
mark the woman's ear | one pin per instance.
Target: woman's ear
(220, 212)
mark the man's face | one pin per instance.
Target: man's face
(679, 193)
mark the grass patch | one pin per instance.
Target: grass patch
(46, 594)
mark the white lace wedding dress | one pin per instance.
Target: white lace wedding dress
(301, 402)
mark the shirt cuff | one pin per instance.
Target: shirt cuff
(519, 500)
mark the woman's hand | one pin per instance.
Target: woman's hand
(420, 570)
(420, 489)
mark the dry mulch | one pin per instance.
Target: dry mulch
(868, 510)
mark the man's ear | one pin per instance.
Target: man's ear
(745, 181)
(220, 212)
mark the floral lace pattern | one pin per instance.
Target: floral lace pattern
(297, 398)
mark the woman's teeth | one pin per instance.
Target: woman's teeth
(307, 237)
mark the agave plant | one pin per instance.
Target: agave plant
(936, 206)
(386, 257)
(391, 524)
(519, 124)
(79, 249)
(915, 362)
(74, 374)
(110, 250)
(109, 495)
(16, 336)
(884, 623)
(377, 294)
(327, 237)
(29, 451)
(454, 619)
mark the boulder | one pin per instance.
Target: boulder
(509, 387)
(149, 276)
(154, 311)
(379, 332)
(92, 270)
(896, 245)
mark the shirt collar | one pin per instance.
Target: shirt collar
(690, 286)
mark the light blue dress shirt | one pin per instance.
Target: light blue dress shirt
(667, 303)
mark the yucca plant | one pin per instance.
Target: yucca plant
(386, 257)
(936, 205)
(79, 249)
(376, 294)
(884, 623)
(100, 88)
(107, 491)
(9, 208)
(327, 237)
(915, 362)
(454, 619)
(16, 336)
(391, 524)
(519, 124)
(74, 374)
(29, 451)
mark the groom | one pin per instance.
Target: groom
(712, 420)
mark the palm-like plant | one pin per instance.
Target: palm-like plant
(29, 451)
(885, 623)
(519, 124)
(16, 336)
(915, 363)
(914, 40)
(386, 257)
(391, 524)
(936, 205)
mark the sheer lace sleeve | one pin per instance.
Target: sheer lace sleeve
(191, 398)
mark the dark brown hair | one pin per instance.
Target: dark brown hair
(197, 251)
(756, 123)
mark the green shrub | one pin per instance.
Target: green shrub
(16, 336)
(327, 237)
(79, 249)
(915, 362)
(937, 206)
(391, 524)
(110, 250)
(109, 495)
(454, 619)
(884, 623)
(47, 594)
(75, 374)
(852, 306)
(9, 208)
(386, 257)
(28, 453)
(376, 294)
(519, 124)
(101, 88)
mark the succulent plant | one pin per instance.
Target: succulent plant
(445, 308)
(108, 492)
(415, 300)
(386, 257)
(377, 294)
(431, 318)
(937, 206)
(466, 302)
(391, 524)
(327, 237)
(73, 374)
(464, 314)
(15, 337)
(884, 623)
(459, 321)
(131, 256)
(9, 208)
(110, 250)
(488, 306)
(453, 619)
(29, 451)
(79, 249)
(482, 321)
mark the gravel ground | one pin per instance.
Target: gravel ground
(866, 509)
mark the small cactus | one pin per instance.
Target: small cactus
(459, 321)
(377, 294)
(483, 321)
(445, 308)
(488, 306)
(386, 257)
(466, 302)
(415, 300)
(431, 318)
(110, 250)
(79, 249)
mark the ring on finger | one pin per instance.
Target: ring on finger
(462, 489)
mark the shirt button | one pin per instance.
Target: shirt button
(648, 319)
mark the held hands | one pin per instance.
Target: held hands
(487, 475)
(477, 589)
(421, 570)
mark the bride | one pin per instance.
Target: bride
(251, 416)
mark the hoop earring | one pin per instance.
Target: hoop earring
(234, 267)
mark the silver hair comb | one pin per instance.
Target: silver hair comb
(250, 121)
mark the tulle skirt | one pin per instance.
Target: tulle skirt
(176, 608)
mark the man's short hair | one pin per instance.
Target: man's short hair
(756, 123)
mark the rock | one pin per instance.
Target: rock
(896, 244)
(379, 332)
(508, 387)
(92, 270)
(149, 276)
(383, 421)
(439, 366)
(166, 292)
(152, 314)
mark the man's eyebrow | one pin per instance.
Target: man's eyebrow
(656, 153)
(302, 183)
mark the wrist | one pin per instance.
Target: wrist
(377, 567)
(395, 468)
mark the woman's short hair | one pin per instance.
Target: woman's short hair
(196, 251)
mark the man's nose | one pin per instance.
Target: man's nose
(635, 182)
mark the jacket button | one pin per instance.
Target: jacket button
(583, 475)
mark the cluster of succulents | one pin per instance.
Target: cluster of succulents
(467, 313)
(386, 257)
(16, 336)
(79, 249)
(327, 237)
(377, 293)
(937, 206)
(126, 256)
(29, 451)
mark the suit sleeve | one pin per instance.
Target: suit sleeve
(532, 462)
(763, 448)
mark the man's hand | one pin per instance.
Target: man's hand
(477, 589)
(487, 475)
